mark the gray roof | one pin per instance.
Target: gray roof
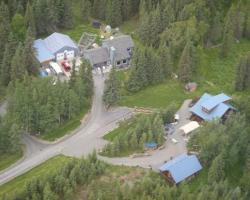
(57, 41)
(97, 56)
(121, 45)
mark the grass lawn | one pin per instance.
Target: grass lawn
(65, 129)
(122, 129)
(8, 159)
(39, 171)
(214, 75)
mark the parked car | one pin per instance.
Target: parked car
(66, 66)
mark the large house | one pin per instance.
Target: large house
(114, 51)
(55, 47)
(210, 107)
(180, 168)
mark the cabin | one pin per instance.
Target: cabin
(120, 50)
(180, 168)
(114, 51)
(210, 107)
(56, 47)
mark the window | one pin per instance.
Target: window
(118, 62)
(124, 61)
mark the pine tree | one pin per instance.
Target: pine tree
(138, 77)
(112, 91)
(165, 61)
(18, 70)
(29, 60)
(186, 64)
(85, 10)
(228, 39)
(9, 52)
(241, 74)
(4, 27)
(30, 19)
(114, 13)
(18, 27)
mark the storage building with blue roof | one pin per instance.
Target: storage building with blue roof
(55, 47)
(210, 107)
(180, 168)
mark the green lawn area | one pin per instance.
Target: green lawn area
(8, 159)
(214, 75)
(123, 128)
(66, 128)
(39, 171)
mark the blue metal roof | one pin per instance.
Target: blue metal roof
(57, 41)
(217, 110)
(182, 167)
(150, 145)
(42, 53)
(212, 102)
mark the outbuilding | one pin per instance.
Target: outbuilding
(180, 168)
(189, 127)
(55, 47)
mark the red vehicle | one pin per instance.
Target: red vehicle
(66, 66)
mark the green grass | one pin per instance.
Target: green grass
(64, 129)
(122, 129)
(78, 30)
(37, 172)
(8, 159)
(214, 75)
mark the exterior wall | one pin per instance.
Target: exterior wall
(123, 65)
(61, 51)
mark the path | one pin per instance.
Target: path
(88, 137)
(83, 142)
(159, 156)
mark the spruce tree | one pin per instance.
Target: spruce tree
(30, 18)
(114, 13)
(4, 27)
(185, 64)
(9, 52)
(228, 39)
(85, 10)
(112, 91)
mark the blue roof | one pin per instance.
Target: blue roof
(214, 104)
(182, 167)
(150, 145)
(45, 49)
(42, 53)
(57, 41)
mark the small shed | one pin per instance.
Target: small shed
(180, 168)
(189, 127)
(191, 87)
(150, 145)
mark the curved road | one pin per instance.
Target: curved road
(88, 137)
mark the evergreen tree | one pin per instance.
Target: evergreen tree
(9, 52)
(4, 27)
(30, 19)
(114, 13)
(112, 91)
(186, 64)
(85, 10)
(18, 27)
(29, 60)
(18, 70)
(228, 39)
